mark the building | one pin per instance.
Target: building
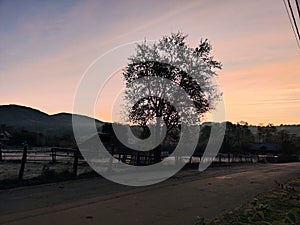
(4, 137)
(264, 147)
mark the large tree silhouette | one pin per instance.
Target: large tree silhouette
(192, 69)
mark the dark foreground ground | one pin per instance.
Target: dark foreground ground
(180, 200)
(276, 207)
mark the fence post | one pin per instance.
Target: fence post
(0, 152)
(23, 162)
(53, 153)
(75, 164)
(111, 158)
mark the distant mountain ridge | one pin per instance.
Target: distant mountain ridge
(24, 117)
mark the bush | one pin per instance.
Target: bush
(47, 172)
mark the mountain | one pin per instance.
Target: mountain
(22, 117)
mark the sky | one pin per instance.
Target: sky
(46, 46)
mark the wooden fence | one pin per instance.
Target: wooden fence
(56, 154)
(39, 155)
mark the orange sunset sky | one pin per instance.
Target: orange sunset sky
(47, 45)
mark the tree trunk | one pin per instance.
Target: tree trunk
(157, 150)
(157, 154)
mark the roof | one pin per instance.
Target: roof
(4, 136)
(264, 146)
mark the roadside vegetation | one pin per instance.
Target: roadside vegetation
(41, 174)
(277, 207)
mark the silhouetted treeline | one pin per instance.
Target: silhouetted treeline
(18, 137)
(239, 138)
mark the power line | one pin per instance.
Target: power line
(297, 4)
(297, 36)
(295, 23)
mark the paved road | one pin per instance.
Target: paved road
(179, 200)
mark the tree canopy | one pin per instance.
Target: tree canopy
(171, 58)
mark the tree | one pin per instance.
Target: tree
(266, 133)
(244, 135)
(287, 142)
(170, 58)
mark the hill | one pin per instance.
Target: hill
(22, 117)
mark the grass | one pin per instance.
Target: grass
(39, 173)
(277, 207)
(55, 177)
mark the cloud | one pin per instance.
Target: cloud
(266, 93)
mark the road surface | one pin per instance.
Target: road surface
(182, 199)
